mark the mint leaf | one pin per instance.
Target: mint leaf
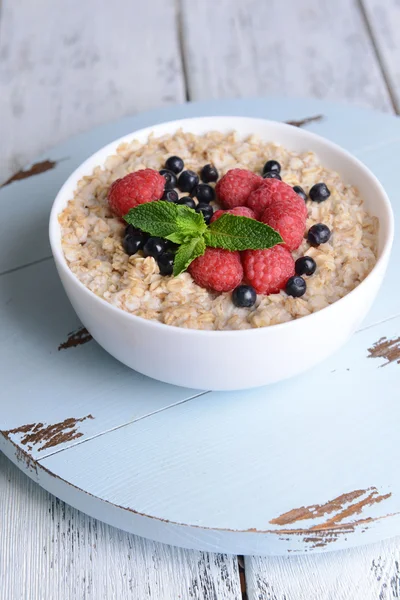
(241, 233)
(159, 219)
(187, 252)
(190, 222)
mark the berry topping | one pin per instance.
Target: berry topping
(300, 192)
(187, 181)
(319, 192)
(174, 164)
(234, 188)
(166, 263)
(209, 174)
(170, 196)
(272, 175)
(187, 201)
(136, 188)
(154, 247)
(318, 234)
(206, 210)
(305, 265)
(203, 192)
(217, 270)
(244, 296)
(170, 179)
(289, 223)
(271, 166)
(133, 242)
(268, 270)
(273, 191)
(239, 211)
(295, 286)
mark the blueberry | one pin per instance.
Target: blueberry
(299, 190)
(174, 164)
(209, 174)
(154, 247)
(305, 265)
(206, 210)
(295, 286)
(318, 234)
(244, 296)
(271, 166)
(187, 201)
(130, 229)
(203, 192)
(272, 175)
(170, 179)
(166, 263)
(319, 192)
(133, 242)
(187, 181)
(170, 196)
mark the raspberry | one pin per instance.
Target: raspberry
(235, 186)
(217, 270)
(268, 270)
(288, 222)
(271, 191)
(239, 211)
(136, 188)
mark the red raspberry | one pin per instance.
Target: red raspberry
(268, 270)
(217, 270)
(239, 211)
(136, 188)
(235, 186)
(288, 222)
(271, 191)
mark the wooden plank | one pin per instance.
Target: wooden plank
(50, 550)
(66, 67)
(318, 48)
(384, 22)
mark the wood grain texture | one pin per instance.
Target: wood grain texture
(384, 23)
(66, 67)
(49, 550)
(314, 48)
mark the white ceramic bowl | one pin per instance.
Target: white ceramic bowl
(227, 360)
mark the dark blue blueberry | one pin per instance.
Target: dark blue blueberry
(318, 234)
(272, 175)
(166, 263)
(206, 210)
(170, 179)
(305, 265)
(299, 190)
(271, 166)
(174, 164)
(133, 242)
(187, 181)
(154, 247)
(244, 296)
(319, 192)
(203, 192)
(209, 174)
(170, 196)
(130, 229)
(295, 286)
(187, 201)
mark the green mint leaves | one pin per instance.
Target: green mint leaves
(184, 226)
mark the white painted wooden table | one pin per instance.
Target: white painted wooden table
(66, 67)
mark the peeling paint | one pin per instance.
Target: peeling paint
(51, 435)
(76, 338)
(35, 169)
(387, 349)
(306, 121)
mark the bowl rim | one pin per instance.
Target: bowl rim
(77, 174)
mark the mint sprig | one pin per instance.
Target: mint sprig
(184, 226)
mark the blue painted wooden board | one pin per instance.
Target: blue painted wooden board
(301, 466)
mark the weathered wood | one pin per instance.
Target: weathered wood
(314, 48)
(66, 67)
(49, 550)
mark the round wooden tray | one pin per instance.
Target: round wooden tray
(301, 466)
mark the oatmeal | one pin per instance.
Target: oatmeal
(92, 237)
